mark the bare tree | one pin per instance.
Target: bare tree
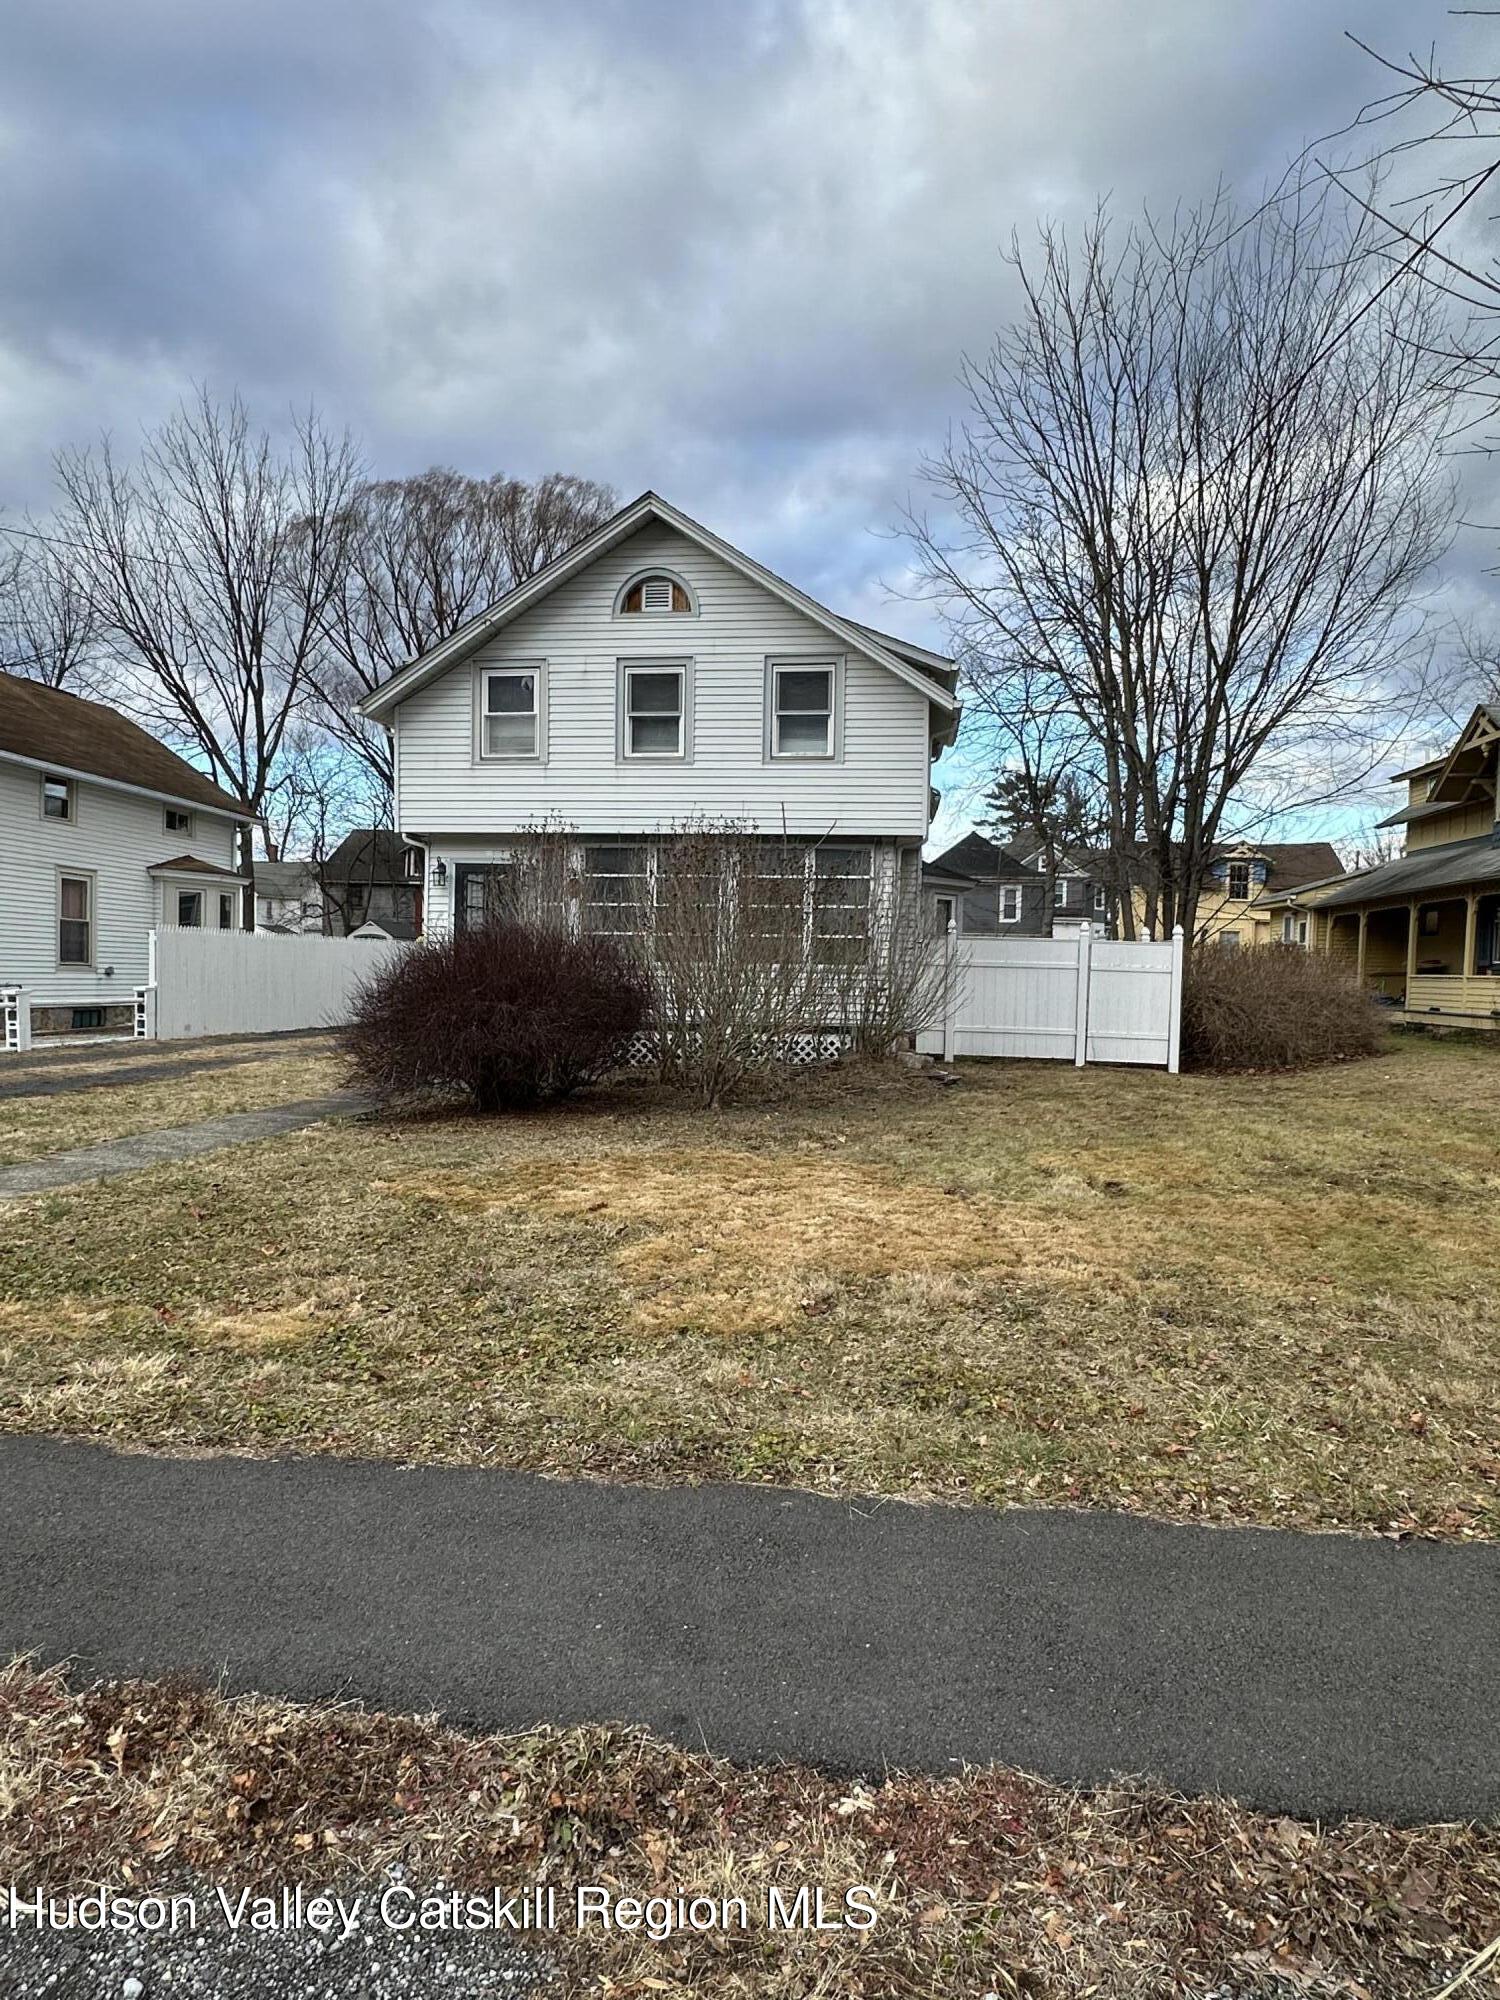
(1046, 790)
(1199, 486)
(47, 624)
(316, 795)
(426, 555)
(210, 565)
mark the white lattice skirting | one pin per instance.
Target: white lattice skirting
(802, 1049)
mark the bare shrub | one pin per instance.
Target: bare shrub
(758, 945)
(509, 1013)
(1274, 1007)
(733, 954)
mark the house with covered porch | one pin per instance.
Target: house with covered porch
(1423, 932)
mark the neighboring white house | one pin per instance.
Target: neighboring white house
(651, 675)
(106, 835)
(288, 897)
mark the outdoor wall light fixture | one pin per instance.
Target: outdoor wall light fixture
(440, 874)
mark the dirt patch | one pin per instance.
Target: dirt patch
(742, 1240)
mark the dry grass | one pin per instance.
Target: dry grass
(987, 1882)
(31, 1127)
(1254, 1298)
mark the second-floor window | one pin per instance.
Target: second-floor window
(801, 711)
(654, 711)
(1010, 903)
(1238, 887)
(57, 797)
(177, 820)
(511, 716)
(1099, 896)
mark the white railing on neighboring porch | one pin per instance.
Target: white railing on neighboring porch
(15, 1010)
(1078, 999)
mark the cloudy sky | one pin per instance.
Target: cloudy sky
(731, 251)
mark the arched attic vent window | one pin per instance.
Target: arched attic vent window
(656, 594)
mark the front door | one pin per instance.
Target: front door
(481, 895)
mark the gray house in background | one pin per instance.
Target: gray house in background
(372, 876)
(992, 891)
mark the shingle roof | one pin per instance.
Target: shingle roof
(1291, 862)
(1454, 865)
(370, 854)
(280, 879)
(189, 864)
(50, 726)
(973, 855)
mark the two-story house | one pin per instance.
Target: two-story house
(107, 835)
(987, 890)
(1424, 931)
(1251, 891)
(652, 676)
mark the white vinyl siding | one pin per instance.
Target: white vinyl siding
(878, 786)
(112, 839)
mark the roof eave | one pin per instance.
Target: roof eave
(650, 506)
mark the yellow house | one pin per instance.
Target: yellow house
(1424, 931)
(1252, 887)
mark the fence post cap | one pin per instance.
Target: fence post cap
(1177, 930)
(952, 927)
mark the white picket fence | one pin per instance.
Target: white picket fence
(253, 982)
(1078, 999)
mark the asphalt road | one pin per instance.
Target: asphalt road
(1310, 1674)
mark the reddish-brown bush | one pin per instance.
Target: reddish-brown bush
(511, 1014)
(1274, 1007)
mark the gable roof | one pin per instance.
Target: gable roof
(1486, 716)
(369, 855)
(282, 879)
(929, 672)
(974, 856)
(48, 726)
(1291, 864)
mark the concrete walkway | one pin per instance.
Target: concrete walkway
(64, 1072)
(174, 1142)
(1311, 1674)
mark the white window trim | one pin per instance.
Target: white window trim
(803, 663)
(46, 778)
(655, 664)
(645, 576)
(1007, 890)
(186, 832)
(1101, 898)
(91, 876)
(1229, 868)
(510, 670)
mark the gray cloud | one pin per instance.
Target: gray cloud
(734, 252)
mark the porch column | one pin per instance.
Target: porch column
(1359, 956)
(1411, 948)
(1471, 932)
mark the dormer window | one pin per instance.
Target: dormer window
(1238, 890)
(655, 596)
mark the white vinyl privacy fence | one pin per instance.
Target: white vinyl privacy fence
(253, 982)
(1077, 999)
